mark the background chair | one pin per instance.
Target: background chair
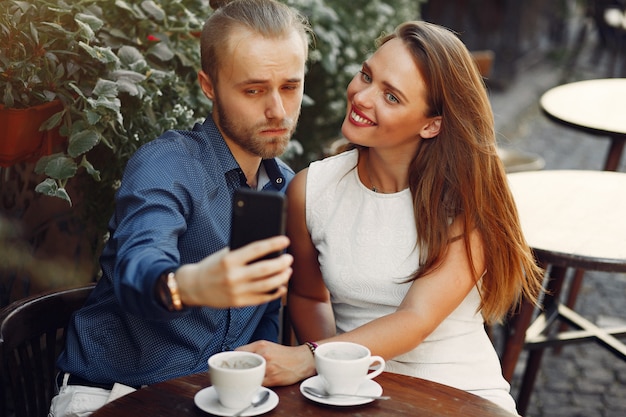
(32, 332)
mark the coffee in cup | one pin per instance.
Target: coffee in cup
(236, 376)
(344, 366)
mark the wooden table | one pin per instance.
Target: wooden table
(594, 106)
(409, 397)
(571, 219)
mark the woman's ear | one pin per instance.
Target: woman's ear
(206, 85)
(432, 128)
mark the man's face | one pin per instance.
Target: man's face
(258, 94)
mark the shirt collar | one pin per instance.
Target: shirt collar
(228, 162)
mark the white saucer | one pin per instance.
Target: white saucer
(206, 400)
(368, 387)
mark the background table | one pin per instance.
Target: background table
(593, 106)
(571, 219)
(409, 397)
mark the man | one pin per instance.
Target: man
(172, 294)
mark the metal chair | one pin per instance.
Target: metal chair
(32, 333)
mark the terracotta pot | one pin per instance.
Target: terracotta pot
(20, 138)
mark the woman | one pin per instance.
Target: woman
(410, 241)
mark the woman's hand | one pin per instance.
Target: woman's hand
(286, 365)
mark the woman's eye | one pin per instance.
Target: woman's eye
(392, 98)
(365, 77)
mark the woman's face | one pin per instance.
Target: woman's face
(387, 101)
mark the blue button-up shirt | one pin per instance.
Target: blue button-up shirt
(173, 208)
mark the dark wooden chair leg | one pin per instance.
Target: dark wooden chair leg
(528, 381)
(575, 288)
(515, 338)
(572, 295)
(615, 151)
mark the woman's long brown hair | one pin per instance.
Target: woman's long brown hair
(458, 174)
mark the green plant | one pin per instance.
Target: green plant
(124, 70)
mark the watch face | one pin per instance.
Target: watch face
(165, 295)
(175, 302)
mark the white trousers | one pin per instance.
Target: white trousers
(81, 401)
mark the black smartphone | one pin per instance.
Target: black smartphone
(257, 215)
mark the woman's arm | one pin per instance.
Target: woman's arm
(428, 302)
(308, 298)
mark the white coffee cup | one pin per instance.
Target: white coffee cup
(236, 376)
(344, 366)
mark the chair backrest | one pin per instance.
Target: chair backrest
(32, 333)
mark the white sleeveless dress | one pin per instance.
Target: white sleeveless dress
(367, 247)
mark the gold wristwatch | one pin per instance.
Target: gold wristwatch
(167, 291)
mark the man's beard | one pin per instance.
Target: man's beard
(246, 138)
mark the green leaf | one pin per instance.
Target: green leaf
(82, 142)
(153, 10)
(7, 98)
(129, 55)
(86, 31)
(117, 33)
(47, 187)
(61, 168)
(49, 95)
(137, 13)
(77, 90)
(162, 51)
(102, 54)
(123, 5)
(95, 174)
(53, 121)
(40, 167)
(63, 195)
(34, 33)
(92, 117)
(104, 102)
(105, 88)
(129, 87)
(129, 82)
(94, 22)
(307, 101)
(50, 188)
(131, 76)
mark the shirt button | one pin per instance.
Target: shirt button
(279, 180)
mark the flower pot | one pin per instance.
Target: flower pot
(20, 138)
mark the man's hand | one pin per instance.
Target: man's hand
(230, 279)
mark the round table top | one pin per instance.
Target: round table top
(595, 105)
(574, 218)
(409, 397)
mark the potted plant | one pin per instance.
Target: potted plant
(29, 71)
(107, 62)
(123, 72)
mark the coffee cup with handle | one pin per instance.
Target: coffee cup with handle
(236, 376)
(344, 366)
